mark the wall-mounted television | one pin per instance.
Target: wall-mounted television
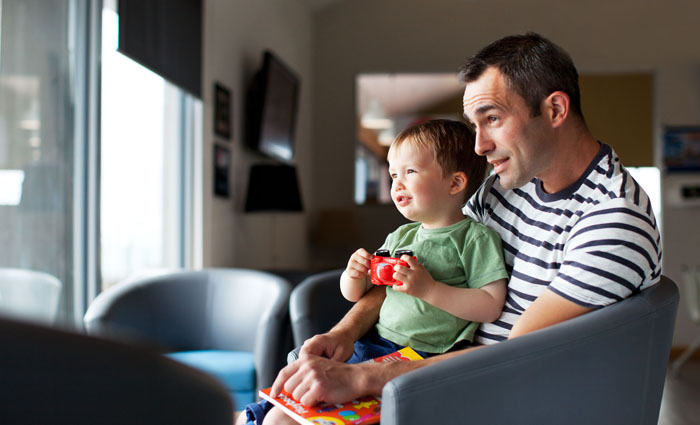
(271, 109)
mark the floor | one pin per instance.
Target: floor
(681, 401)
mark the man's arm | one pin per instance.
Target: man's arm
(337, 344)
(547, 310)
(314, 379)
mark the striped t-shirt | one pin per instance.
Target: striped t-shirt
(594, 243)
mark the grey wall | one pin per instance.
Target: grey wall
(235, 34)
(416, 36)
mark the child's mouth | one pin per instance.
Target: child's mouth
(402, 200)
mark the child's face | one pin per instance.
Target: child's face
(419, 189)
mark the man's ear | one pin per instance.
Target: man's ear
(556, 106)
(459, 182)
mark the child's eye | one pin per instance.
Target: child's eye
(410, 171)
(392, 175)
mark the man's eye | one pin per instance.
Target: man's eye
(491, 119)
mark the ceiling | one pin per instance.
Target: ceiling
(405, 94)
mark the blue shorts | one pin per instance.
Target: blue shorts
(366, 348)
(372, 346)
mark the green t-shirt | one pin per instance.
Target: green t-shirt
(465, 254)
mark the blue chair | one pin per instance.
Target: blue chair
(231, 323)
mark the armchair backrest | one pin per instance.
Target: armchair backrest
(191, 310)
(59, 377)
(316, 305)
(605, 367)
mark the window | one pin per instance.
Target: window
(38, 185)
(145, 177)
(51, 170)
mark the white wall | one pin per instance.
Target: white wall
(235, 34)
(415, 35)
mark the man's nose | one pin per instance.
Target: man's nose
(483, 144)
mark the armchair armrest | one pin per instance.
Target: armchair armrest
(606, 367)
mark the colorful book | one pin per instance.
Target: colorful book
(361, 411)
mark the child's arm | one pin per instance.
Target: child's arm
(354, 281)
(483, 304)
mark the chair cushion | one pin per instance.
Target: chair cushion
(235, 369)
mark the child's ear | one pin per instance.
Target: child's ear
(459, 182)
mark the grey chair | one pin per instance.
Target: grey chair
(316, 304)
(29, 295)
(232, 323)
(606, 367)
(51, 376)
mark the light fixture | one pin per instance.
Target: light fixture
(375, 118)
(386, 136)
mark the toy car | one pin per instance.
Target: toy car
(382, 266)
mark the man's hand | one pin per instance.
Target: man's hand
(313, 379)
(415, 278)
(334, 346)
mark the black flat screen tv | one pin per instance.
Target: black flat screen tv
(271, 109)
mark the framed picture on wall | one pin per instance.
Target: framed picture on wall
(223, 123)
(222, 167)
(681, 148)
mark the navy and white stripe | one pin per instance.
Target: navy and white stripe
(594, 243)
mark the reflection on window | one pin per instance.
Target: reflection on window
(141, 149)
(37, 95)
(11, 187)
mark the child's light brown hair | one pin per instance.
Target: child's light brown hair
(452, 146)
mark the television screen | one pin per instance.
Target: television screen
(272, 108)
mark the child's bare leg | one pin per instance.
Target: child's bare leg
(277, 417)
(240, 420)
(273, 417)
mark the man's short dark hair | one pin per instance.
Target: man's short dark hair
(532, 66)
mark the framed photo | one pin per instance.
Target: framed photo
(681, 149)
(222, 111)
(222, 167)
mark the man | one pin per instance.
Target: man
(578, 232)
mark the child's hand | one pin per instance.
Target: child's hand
(359, 264)
(415, 278)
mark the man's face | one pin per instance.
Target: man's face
(518, 145)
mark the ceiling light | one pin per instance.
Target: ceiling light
(375, 118)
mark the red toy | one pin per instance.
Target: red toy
(382, 266)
